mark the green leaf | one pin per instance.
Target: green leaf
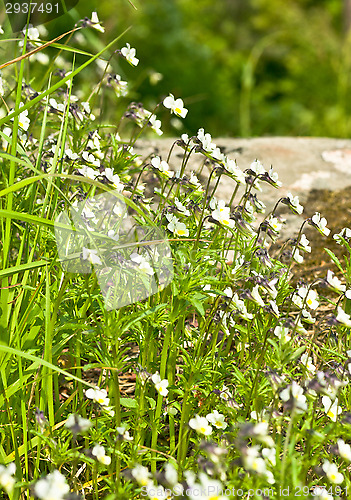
(335, 260)
(22, 267)
(129, 402)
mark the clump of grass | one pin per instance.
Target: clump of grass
(235, 393)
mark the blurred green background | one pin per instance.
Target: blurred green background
(242, 67)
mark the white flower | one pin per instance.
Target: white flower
(343, 318)
(144, 265)
(69, 153)
(96, 23)
(217, 420)
(304, 244)
(162, 166)
(124, 433)
(282, 333)
(344, 450)
(307, 317)
(307, 362)
(91, 256)
(52, 487)
(256, 296)
(160, 385)
(257, 167)
(332, 472)
(320, 224)
(225, 393)
(181, 208)
(295, 391)
(23, 120)
(206, 141)
(296, 256)
(141, 474)
(129, 53)
(233, 169)
(200, 425)
(310, 297)
(90, 158)
(98, 396)
(99, 452)
(252, 460)
(76, 423)
(1, 30)
(331, 408)
(320, 493)
(222, 215)
(175, 105)
(270, 455)
(344, 233)
(88, 172)
(295, 203)
(154, 123)
(178, 228)
(7, 481)
(114, 179)
(32, 33)
(334, 282)
(275, 224)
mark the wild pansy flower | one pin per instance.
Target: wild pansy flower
(129, 54)
(143, 264)
(217, 420)
(307, 317)
(241, 308)
(98, 396)
(160, 385)
(344, 450)
(222, 215)
(294, 203)
(123, 434)
(320, 223)
(304, 244)
(100, 454)
(320, 493)
(162, 166)
(77, 424)
(232, 167)
(7, 479)
(257, 168)
(271, 177)
(141, 474)
(309, 296)
(256, 297)
(334, 282)
(307, 362)
(206, 141)
(113, 179)
(331, 408)
(181, 208)
(294, 397)
(53, 487)
(23, 120)
(270, 455)
(296, 256)
(178, 228)
(120, 86)
(91, 256)
(90, 158)
(332, 472)
(200, 425)
(282, 333)
(343, 318)
(225, 393)
(95, 23)
(154, 123)
(345, 234)
(175, 105)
